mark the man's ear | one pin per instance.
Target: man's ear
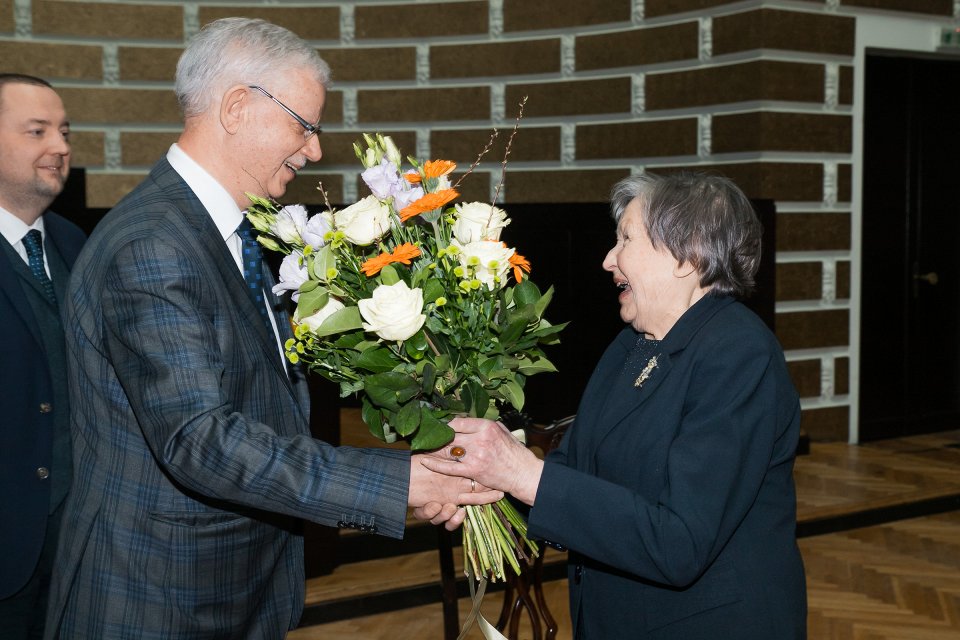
(233, 105)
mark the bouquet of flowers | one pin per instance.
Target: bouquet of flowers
(417, 306)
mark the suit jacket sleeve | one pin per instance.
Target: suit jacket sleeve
(214, 411)
(714, 468)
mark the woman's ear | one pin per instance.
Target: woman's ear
(682, 270)
(233, 106)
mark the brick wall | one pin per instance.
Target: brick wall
(759, 90)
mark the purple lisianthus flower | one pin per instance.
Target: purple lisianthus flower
(317, 227)
(292, 275)
(289, 223)
(405, 195)
(382, 179)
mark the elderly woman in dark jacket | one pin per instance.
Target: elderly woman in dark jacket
(673, 490)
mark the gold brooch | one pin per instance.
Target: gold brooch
(647, 370)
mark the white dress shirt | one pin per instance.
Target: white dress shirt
(14, 229)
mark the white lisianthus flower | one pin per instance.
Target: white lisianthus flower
(487, 260)
(317, 227)
(393, 312)
(289, 223)
(293, 273)
(364, 221)
(391, 151)
(314, 321)
(478, 221)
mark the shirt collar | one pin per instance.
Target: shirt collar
(215, 199)
(13, 228)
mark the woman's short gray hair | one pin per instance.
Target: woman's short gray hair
(233, 51)
(703, 220)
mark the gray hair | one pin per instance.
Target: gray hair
(703, 220)
(233, 51)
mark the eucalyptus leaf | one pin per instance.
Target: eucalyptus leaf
(312, 301)
(339, 321)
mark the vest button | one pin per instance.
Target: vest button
(43, 473)
(46, 407)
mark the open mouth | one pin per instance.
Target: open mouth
(293, 168)
(622, 286)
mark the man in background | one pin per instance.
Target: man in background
(38, 250)
(194, 460)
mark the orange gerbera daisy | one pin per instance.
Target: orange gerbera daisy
(437, 168)
(403, 253)
(519, 263)
(428, 202)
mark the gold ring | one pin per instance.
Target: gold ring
(473, 485)
(457, 452)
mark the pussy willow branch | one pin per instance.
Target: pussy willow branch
(506, 153)
(326, 200)
(473, 166)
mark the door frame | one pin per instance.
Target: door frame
(921, 35)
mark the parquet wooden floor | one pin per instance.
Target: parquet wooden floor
(873, 571)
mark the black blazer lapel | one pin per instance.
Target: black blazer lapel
(11, 287)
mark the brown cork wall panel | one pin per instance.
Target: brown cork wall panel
(446, 104)
(108, 20)
(799, 281)
(6, 16)
(657, 8)
(151, 64)
(121, 105)
(843, 280)
(789, 30)
(310, 23)
(105, 189)
(571, 97)
(636, 47)
(421, 20)
(463, 146)
(86, 149)
(813, 329)
(813, 232)
(525, 15)
(303, 190)
(774, 180)
(338, 147)
(637, 139)
(370, 64)
(142, 149)
(52, 61)
(806, 377)
(934, 7)
(841, 376)
(829, 424)
(757, 80)
(777, 131)
(519, 57)
(562, 186)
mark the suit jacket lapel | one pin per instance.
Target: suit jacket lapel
(11, 287)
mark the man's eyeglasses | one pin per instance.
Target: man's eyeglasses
(310, 129)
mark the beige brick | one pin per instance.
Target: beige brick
(657, 8)
(582, 185)
(86, 149)
(799, 281)
(524, 15)
(495, 58)
(813, 232)
(829, 424)
(6, 16)
(635, 47)
(637, 139)
(934, 7)
(303, 190)
(367, 64)
(421, 20)
(776, 131)
(773, 180)
(108, 20)
(145, 106)
(154, 64)
(52, 61)
(310, 23)
(789, 30)
(142, 149)
(757, 80)
(333, 108)
(430, 105)
(464, 145)
(571, 97)
(338, 147)
(104, 190)
(814, 329)
(806, 377)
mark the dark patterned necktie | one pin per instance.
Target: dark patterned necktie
(253, 269)
(33, 242)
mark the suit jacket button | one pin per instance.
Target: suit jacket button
(578, 573)
(43, 473)
(46, 407)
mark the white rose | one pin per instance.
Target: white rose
(486, 260)
(290, 223)
(478, 221)
(363, 222)
(314, 321)
(393, 312)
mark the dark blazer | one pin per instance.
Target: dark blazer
(676, 498)
(34, 404)
(192, 455)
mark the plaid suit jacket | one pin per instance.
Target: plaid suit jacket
(192, 456)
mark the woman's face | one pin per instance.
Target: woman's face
(654, 287)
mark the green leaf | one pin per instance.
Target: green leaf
(429, 376)
(514, 330)
(312, 301)
(408, 418)
(373, 417)
(526, 293)
(349, 340)
(390, 390)
(513, 392)
(537, 365)
(375, 360)
(389, 275)
(541, 305)
(323, 260)
(416, 344)
(481, 399)
(432, 289)
(432, 433)
(343, 320)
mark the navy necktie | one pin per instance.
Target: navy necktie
(253, 269)
(33, 242)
